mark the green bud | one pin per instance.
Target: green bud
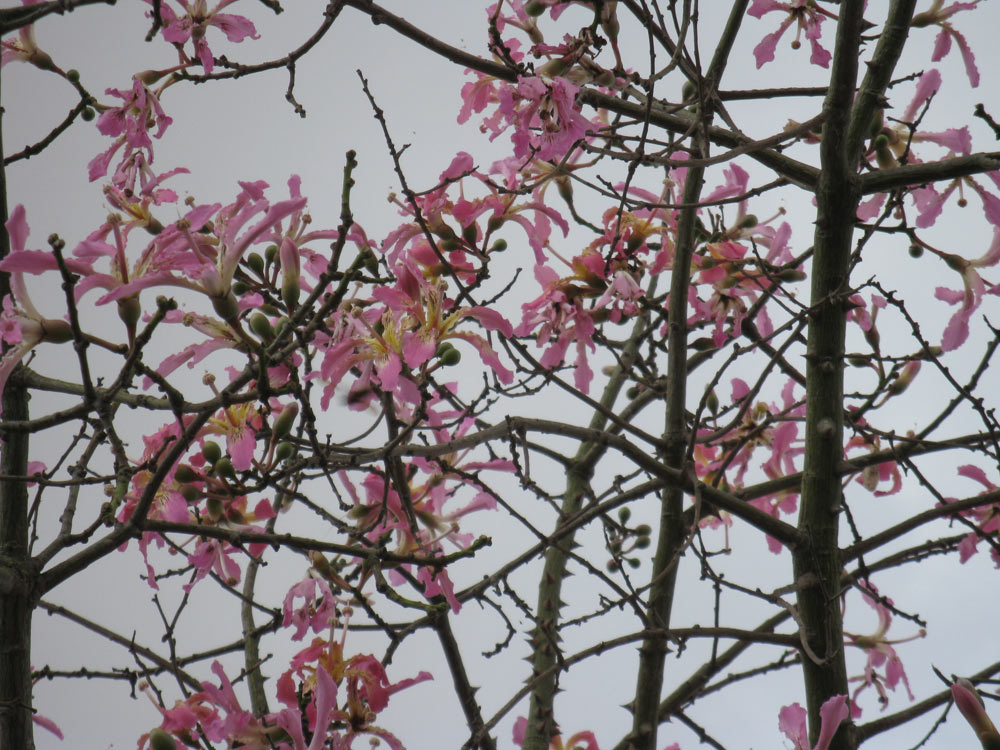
(642, 542)
(534, 8)
(160, 740)
(224, 468)
(451, 357)
(857, 361)
(494, 223)
(499, 246)
(240, 288)
(271, 253)
(371, 263)
(226, 307)
(443, 347)
(284, 451)
(624, 513)
(916, 251)
(283, 424)
(634, 563)
(211, 451)
(261, 326)
(749, 222)
(88, 114)
(73, 75)
(256, 263)
(643, 529)
(703, 344)
(449, 244)
(612, 566)
(712, 402)
(214, 508)
(290, 292)
(791, 274)
(280, 326)
(956, 263)
(270, 310)
(190, 493)
(184, 473)
(470, 233)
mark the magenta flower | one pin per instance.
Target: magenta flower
(969, 299)
(318, 610)
(194, 22)
(806, 14)
(792, 721)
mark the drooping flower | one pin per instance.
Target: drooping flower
(937, 15)
(807, 15)
(881, 653)
(969, 299)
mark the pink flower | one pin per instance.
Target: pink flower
(986, 518)
(880, 653)
(25, 49)
(957, 330)
(792, 721)
(936, 15)
(318, 610)
(806, 14)
(545, 117)
(22, 327)
(194, 22)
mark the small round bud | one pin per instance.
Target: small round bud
(184, 473)
(211, 451)
(634, 563)
(499, 246)
(451, 357)
(256, 263)
(73, 75)
(633, 392)
(224, 468)
(240, 288)
(88, 114)
(284, 451)
(160, 740)
(534, 8)
(624, 514)
(271, 253)
(284, 422)
(261, 326)
(749, 222)
(642, 542)
(443, 347)
(190, 493)
(916, 251)
(470, 233)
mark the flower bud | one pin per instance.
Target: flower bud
(73, 75)
(56, 331)
(271, 253)
(915, 251)
(184, 473)
(284, 422)
(973, 709)
(883, 154)
(224, 468)
(88, 114)
(451, 357)
(284, 451)
(160, 740)
(624, 514)
(226, 306)
(499, 246)
(256, 263)
(211, 452)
